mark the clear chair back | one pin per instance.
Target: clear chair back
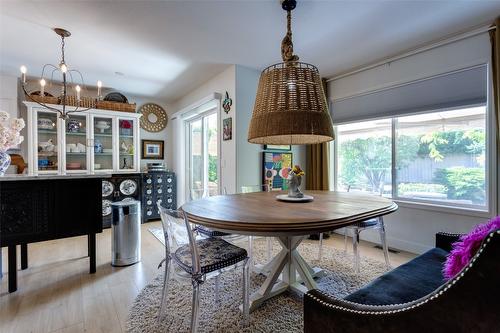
(178, 232)
(198, 193)
(255, 188)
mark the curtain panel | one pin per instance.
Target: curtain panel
(317, 169)
(495, 55)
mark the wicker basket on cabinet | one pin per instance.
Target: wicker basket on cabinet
(116, 106)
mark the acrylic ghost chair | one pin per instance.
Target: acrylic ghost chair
(200, 193)
(376, 223)
(196, 260)
(253, 189)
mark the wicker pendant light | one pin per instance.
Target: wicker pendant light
(290, 106)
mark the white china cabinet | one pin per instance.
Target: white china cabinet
(88, 142)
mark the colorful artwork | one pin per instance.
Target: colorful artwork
(276, 168)
(227, 129)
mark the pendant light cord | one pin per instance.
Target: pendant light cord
(287, 44)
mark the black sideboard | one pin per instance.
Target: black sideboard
(35, 209)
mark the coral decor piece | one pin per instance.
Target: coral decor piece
(463, 250)
(9, 138)
(10, 130)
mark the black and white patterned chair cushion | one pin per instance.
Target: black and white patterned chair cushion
(215, 253)
(209, 232)
(366, 224)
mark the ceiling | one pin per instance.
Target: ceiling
(167, 48)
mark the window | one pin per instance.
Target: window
(439, 157)
(365, 156)
(203, 176)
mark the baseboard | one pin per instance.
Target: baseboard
(395, 243)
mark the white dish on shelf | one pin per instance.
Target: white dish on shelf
(285, 197)
(45, 123)
(102, 125)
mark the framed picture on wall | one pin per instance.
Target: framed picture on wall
(227, 129)
(278, 147)
(275, 168)
(152, 149)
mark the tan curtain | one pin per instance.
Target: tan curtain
(318, 159)
(495, 55)
(317, 175)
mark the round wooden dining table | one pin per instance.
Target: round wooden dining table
(261, 214)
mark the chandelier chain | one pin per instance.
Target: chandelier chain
(62, 49)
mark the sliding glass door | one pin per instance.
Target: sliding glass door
(202, 144)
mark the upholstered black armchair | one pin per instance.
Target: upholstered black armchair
(415, 298)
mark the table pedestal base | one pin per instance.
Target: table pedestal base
(293, 270)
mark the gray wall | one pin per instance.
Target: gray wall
(248, 155)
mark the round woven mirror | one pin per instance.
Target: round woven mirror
(154, 118)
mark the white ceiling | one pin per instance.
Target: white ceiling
(167, 48)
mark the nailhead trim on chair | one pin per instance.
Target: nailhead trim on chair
(449, 234)
(408, 307)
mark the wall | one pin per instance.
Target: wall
(240, 161)
(413, 226)
(224, 81)
(248, 155)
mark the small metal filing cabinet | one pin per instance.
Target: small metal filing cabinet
(157, 186)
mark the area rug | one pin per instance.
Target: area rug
(282, 313)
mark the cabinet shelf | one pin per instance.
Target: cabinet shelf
(103, 134)
(76, 133)
(44, 131)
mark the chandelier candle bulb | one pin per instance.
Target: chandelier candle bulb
(99, 85)
(23, 72)
(78, 89)
(42, 87)
(63, 68)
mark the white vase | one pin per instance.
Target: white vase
(4, 162)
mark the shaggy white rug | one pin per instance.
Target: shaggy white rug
(282, 313)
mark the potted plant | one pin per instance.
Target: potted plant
(10, 137)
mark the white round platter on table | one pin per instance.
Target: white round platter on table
(285, 197)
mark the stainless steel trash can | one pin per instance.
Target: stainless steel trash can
(126, 233)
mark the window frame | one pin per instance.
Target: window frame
(435, 205)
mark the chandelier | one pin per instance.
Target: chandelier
(69, 77)
(290, 106)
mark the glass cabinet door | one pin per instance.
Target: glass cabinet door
(103, 143)
(76, 143)
(126, 144)
(46, 137)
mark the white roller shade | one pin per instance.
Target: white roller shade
(459, 88)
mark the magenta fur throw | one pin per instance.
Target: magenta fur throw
(463, 250)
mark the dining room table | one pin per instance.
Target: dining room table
(262, 214)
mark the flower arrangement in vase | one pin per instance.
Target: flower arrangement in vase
(10, 137)
(125, 127)
(294, 180)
